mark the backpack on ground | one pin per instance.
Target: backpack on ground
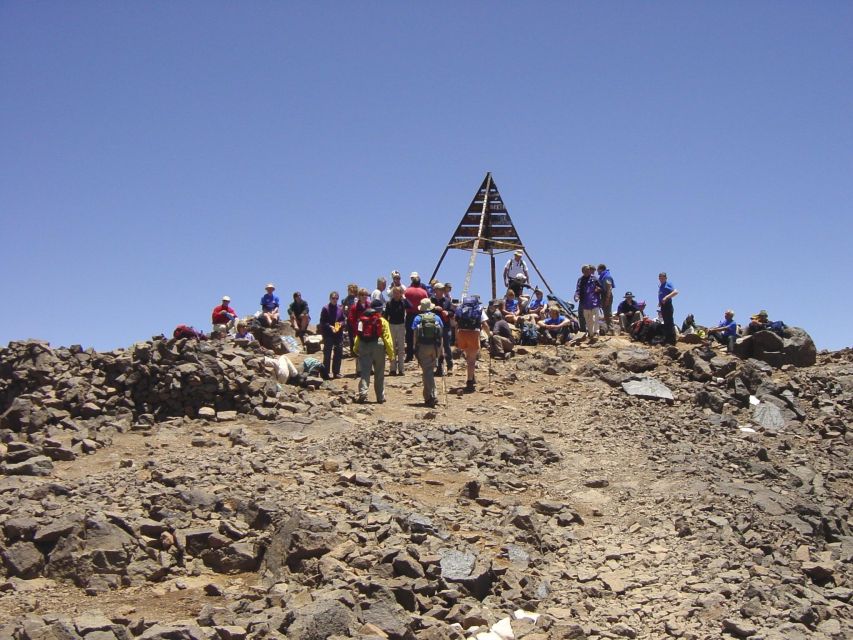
(369, 326)
(428, 329)
(470, 313)
(186, 331)
(529, 334)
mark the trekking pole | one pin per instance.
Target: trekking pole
(444, 386)
(490, 366)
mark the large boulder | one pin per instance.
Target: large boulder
(794, 347)
(635, 359)
(799, 348)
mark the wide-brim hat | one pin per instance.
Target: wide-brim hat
(270, 285)
(376, 304)
(425, 305)
(628, 294)
(518, 252)
(226, 299)
(414, 275)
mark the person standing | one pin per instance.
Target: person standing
(379, 291)
(444, 307)
(666, 292)
(395, 314)
(588, 296)
(372, 343)
(514, 267)
(605, 280)
(224, 314)
(414, 293)
(269, 307)
(332, 323)
(428, 329)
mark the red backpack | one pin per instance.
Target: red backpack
(370, 326)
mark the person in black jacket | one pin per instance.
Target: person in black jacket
(395, 314)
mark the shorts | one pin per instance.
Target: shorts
(468, 339)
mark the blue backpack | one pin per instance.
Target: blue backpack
(469, 313)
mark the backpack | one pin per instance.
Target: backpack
(370, 326)
(529, 334)
(428, 329)
(469, 315)
(185, 331)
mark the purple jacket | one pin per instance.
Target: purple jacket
(329, 315)
(588, 292)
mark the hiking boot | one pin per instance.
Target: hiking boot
(361, 400)
(439, 372)
(469, 386)
(380, 400)
(431, 403)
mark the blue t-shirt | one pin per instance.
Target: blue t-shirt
(511, 305)
(554, 321)
(664, 290)
(417, 321)
(269, 302)
(731, 328)
(535, 304)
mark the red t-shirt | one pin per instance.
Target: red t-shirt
(414, 295)
(219, 312)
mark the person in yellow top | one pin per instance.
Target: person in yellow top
(372, 343)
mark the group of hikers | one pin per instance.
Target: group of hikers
(422, 322)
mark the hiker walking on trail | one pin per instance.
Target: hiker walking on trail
(444, 307)
(414, 293)
(588, 295)
(299, 315)
(470, 320)
(666, 292)
(428, 330)
(331, 325)
(514, 267)
(395, 314)
(372, 344)
(223, 314)
(605, 280)
(269, 307)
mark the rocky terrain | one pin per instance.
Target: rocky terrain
(175, 490)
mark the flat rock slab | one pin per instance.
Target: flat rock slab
(768, 416)
(647, 388)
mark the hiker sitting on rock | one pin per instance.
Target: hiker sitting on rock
(243, 332)
(536, 307)
(758, 322)
(299, 315)
(428, 330)
(269, 307)
(501, 342)
(555, 328)
(223, 315)
(726, 331)
(629, 311)
(510, 308)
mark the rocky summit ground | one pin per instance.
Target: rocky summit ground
(175, 491)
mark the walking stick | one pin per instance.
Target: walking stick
(444, 385)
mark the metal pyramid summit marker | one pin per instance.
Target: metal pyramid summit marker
(486, 228)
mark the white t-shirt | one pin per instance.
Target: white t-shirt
(514, 268)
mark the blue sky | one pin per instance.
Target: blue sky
(159, 155)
